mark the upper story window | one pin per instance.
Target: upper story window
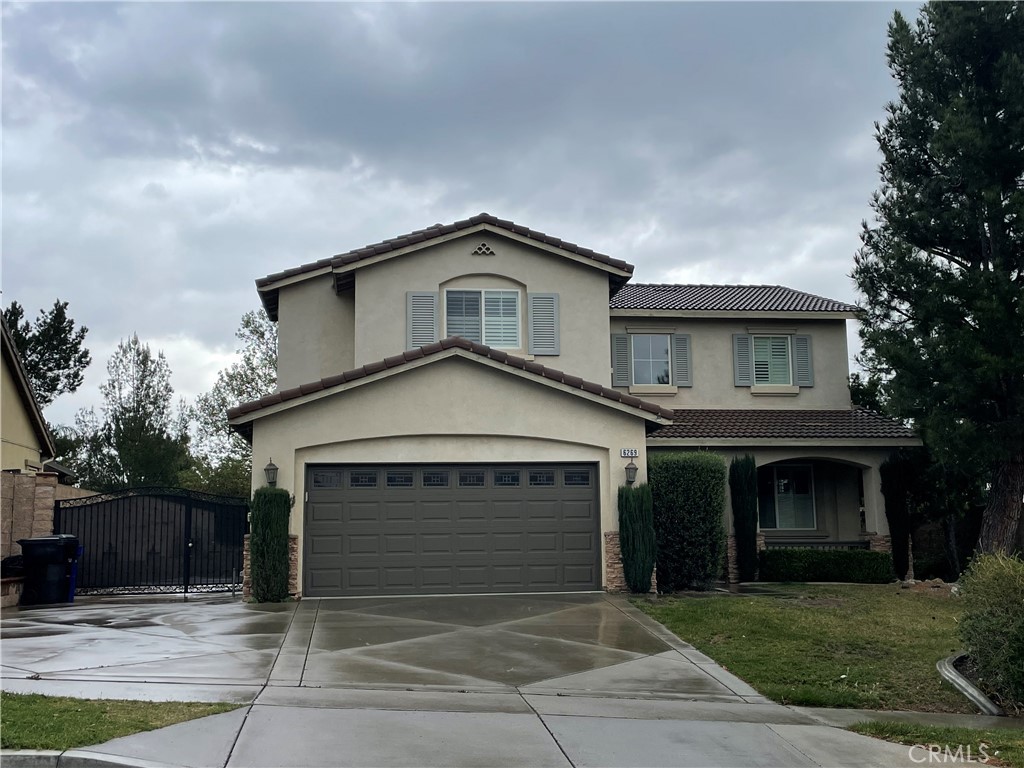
(772, 361)
(651, 360)
(775, 362)
(486, 317)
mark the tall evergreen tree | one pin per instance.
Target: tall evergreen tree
(50, 348)
(942, 267)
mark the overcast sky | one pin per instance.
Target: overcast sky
(158, 157)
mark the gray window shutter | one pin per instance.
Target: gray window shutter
(742, 358)
(421, 319)
(682, 364)
(620, 360)
(803, 365)
(542, 309)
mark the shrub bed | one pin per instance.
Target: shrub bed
(688, 491)
(992, 625)
(853, 566)
(268, 544)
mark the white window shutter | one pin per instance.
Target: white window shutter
(620, 360)
(542, 310)
(421, 319)
(682, 362)
(743, 362)
(803, 365)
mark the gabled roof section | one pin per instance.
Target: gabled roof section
(268, 286)
(724, 298)
(26, 395)
(458, 345)
(781, 424)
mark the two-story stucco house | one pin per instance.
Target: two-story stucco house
(457, 408)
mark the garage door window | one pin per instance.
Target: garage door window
(362, 478)
(327, 479)
(577, 478)
(506, 478)
(542, 478)
(400, 479)
(435, 478)
(472, 478)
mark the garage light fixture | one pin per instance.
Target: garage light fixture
(631, 469)
(271, 472)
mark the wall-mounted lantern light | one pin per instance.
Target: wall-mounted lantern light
(271, 472)
(631, 469)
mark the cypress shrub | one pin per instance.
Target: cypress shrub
(268, 544)
(636, 536)
(895, 473)
(688, 492)
(743, 489)
(992, 625)
(853, 566)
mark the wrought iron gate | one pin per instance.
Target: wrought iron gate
(156, 540)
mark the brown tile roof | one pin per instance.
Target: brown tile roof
(707, 423)
(429, 233)
(723, 298)
(453, 342)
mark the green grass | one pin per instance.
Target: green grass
(1004, 746)
(31, 721)
(859, 646)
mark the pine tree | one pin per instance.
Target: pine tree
(50, 349)
(942, 267)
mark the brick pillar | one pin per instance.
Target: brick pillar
(732, 562)
(6, 513)
(614, 580)
(877, 543)
(24, 510)
(293, 566)
(246, 570)
(42, 509)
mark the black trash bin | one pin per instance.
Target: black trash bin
(49, 562)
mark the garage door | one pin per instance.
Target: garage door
(436, 529)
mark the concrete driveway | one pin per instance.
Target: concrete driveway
(470, 680)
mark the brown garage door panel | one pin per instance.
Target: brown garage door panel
(439, 529)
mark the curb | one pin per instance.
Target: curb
(72, 758)
(950, 674)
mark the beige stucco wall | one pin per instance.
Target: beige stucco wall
(712, 359)
(20, 443)
(453, 410)
(315, 330)
(836, 486)
(314, 323)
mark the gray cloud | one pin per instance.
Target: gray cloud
(159, 157)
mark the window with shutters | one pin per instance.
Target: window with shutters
(772, 364)
(486, 317)
(652, 359)
(655, 363)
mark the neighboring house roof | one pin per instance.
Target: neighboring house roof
(778, 424)
(723, 298)
(267, 285)
(26, 395)
(451, 345)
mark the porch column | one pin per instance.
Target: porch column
(874, 509)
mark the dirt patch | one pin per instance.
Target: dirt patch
(932, 586)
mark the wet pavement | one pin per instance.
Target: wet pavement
(568, 679)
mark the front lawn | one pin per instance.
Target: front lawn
(1002, 746)
(31, 721)
(858, 646)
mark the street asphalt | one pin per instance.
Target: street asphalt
(496, 680)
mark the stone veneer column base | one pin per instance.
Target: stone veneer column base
(293, 568)
(731, 559)
(877, 543)
(615, 579)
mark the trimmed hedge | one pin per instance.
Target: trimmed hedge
(992, 625)
(688, 491)
(268, 544)
(743, 489)
(636, 536)
(853, 566)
